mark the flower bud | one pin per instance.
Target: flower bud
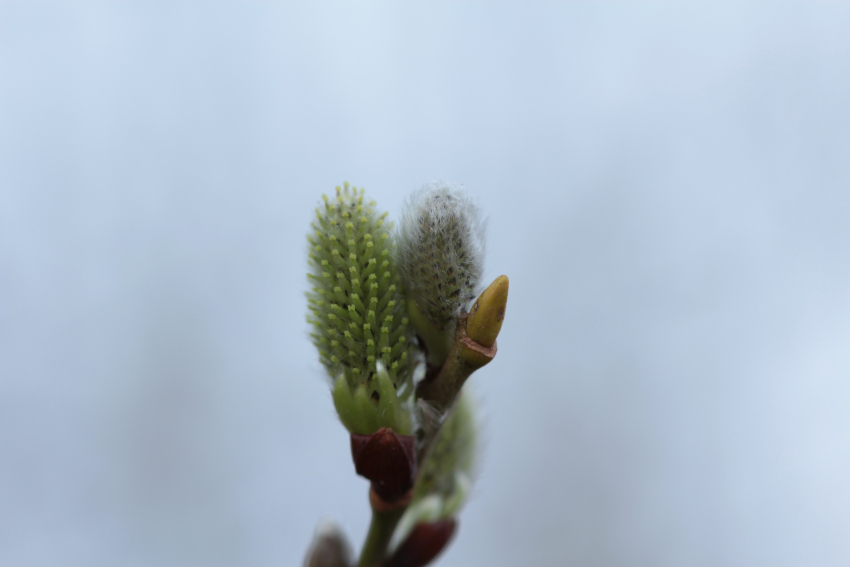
(388, 460)
(329, 548)
(424, 544)
(440, 257)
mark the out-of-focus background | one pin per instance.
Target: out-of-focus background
(667, 187)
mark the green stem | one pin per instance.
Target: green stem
(380, 531)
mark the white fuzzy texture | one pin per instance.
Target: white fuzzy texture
(440, 250)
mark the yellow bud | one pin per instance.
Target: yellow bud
(485, 317)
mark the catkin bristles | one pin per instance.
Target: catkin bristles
(440, 251)
(356, 306)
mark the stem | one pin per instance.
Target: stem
(380, 531)
(440, 391)
(465, 357)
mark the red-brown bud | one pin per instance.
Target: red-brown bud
(424, 543)
(388, 460)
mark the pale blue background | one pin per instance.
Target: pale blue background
(668, 189)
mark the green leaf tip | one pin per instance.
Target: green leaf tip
(371, 405)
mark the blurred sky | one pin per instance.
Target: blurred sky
(668, 188)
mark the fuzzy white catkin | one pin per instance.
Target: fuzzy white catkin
(440, 251)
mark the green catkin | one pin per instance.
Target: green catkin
(453, 454)
(444, 482)
(355, 304)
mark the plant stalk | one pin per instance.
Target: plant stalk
(380, 532)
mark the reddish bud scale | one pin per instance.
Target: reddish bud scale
(388, 460)
(424, 544)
